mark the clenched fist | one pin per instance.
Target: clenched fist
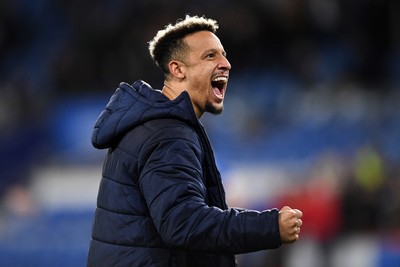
(289, 224)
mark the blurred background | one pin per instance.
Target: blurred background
(311, 120)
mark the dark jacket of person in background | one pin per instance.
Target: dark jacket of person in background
(161, 201)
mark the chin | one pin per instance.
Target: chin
(214, 109)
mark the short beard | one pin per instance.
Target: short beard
(212, 109)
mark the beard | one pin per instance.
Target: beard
(210, 108)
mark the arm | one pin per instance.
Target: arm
(175, 194)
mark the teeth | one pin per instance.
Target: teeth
(220, 79)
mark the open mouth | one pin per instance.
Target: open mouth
(218, 85)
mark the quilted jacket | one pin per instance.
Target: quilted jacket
(161, 201)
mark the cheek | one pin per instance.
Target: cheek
(200, 82)
(199, 78)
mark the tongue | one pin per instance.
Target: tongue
(216, 91)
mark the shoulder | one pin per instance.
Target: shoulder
(170, 129)
(157, 131)
(170, 142)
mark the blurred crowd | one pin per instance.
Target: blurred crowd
(314, 82)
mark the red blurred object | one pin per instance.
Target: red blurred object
(320, 205)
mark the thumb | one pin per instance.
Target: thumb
(286, 208)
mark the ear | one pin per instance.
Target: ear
(177, 69)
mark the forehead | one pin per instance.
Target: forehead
(202, 41)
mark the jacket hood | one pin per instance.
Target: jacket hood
(132, 105)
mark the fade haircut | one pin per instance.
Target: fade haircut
(168, 43)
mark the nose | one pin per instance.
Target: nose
(224, 64)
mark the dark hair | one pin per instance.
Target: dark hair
(168, 43)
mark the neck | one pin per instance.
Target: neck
(169, 92)
(172, 92)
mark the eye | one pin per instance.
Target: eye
(211, 55)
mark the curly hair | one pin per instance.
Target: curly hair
(168, 43)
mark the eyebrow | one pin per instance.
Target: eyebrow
(213, 50)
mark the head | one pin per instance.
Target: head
(193, 59)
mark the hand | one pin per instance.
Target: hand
(289, 224)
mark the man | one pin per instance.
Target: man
(161, 201)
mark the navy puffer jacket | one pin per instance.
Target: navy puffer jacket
(161, 201)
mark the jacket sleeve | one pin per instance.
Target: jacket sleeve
(171, 183)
